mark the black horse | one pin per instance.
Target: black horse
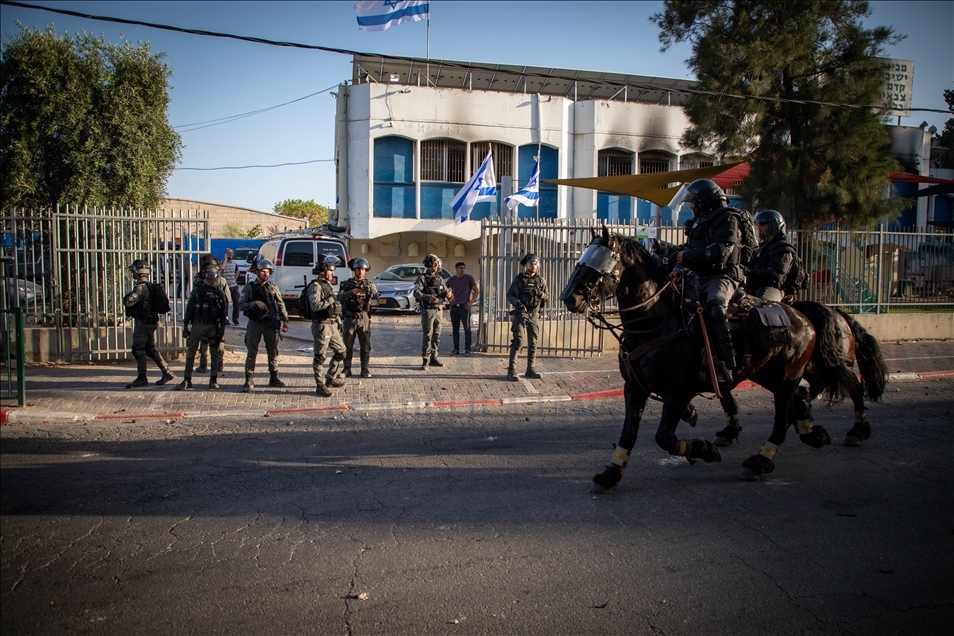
(659, 355)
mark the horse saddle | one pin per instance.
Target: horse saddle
(766, 319)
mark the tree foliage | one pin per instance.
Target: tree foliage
(315, 213)
(813, 163)
(83, 122)
(946, 160)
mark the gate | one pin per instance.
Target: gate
(69, 272)
(559, 243)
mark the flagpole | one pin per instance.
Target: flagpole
(428, 49)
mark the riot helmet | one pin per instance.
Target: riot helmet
(211, 272)
(360, 263)
(770, 224)
(530, 258)
(140, 267)
(705, 195)
(430, 259)
(328, 263)
(263, 263)
(208, 260)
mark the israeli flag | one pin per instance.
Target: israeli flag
(529, 194)
(378, 16)
(481, 187)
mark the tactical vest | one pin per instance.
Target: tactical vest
(702, 233)
(434, 286)
(352, 305)
(254, 312)
(530, 289)
(208, 304)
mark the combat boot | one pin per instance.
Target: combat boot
(333, 382)
(321, 390)
(167, 377)
(249, 384)
(512, 371)
(139, 382)
(435, 362)
(531, 372)
(185, 385)
(424, 364)
(365, 373)
(213, 383)
(274, 381)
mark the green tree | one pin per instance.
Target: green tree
(946, 160)
(315, 213)
(813, 163)
(255, 232)
(83, 121)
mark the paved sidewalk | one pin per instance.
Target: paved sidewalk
(88, 392)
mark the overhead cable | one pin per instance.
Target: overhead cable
(225, 120)
(274, 165)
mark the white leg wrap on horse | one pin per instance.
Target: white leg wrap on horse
(803, 426)
(619, 458)
(768, 450)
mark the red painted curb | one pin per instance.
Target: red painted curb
(3, 415)
(465, 403)
(308, 409)
(933, 375)
(596, 395)
(141, 416)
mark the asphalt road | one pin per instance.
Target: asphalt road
(477, 522)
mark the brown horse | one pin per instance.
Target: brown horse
(660, 355)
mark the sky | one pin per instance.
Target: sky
(216, 78)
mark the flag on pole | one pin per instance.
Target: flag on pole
(378, 16)
(529, 194)
(481, 187)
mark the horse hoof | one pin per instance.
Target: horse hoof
(759, 464)
(606, 481)
(750, 475)
(723, 442)
(816, 438)
(596, 489)
(712, 453)
(853, 441)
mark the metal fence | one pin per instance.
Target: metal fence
(68, 269)
(873, 271)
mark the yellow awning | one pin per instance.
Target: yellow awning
(652, 187)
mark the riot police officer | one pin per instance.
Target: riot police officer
(712, 254)
(205, 318)
(146, 322)
(357, 295)
(325, 323)
(205, 262)
(528, 294)
(771, 264)
(262, 302)
(431, 293)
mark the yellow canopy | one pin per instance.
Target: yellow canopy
(651, 187)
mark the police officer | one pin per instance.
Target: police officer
(431, 293)
(146, 322)
(205, 318)
(771, 264)
(357, 295)
(528, 294)
(206, 261)
(262, 302)
(712, 254)
(325, 324)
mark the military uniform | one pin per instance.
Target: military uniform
(770, 266)
(326, 312)
(145, 326)
(223, 285)
(431, 315)
(262, 323)
(205, 317)
(357, 320)
(526, 292)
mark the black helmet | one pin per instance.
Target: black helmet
(529, 257)
(207, 260)
(140, 267)
(360, 263)
(260, 264)
(769, 223)
(211, 271)
(328, 263)
(707, 196)
(430, 259)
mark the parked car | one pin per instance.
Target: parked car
(242, 257)
(295, 255)
(23, 293)
(396, 286)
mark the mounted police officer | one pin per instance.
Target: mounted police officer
(325, 326)
(205, 318)
(431, 293)
(357, 295)
(146, 321)
(262, 302)
(528, 294)
(206, 261)
(712, 254)
(771, 264)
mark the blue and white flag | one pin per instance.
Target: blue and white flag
(481, 187)
(378, 16)
(529, 194)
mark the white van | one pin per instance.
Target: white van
(295, 255)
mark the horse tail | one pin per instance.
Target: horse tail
(827, 363)
(874, 370)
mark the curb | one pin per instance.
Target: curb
(16, 416)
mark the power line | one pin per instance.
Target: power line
(225, 120)
(445, 63)
(274, 165)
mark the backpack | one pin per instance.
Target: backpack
(156, 304)
(305, 310)
(797, 278)
(749, 243)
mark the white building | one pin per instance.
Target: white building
(406, 146)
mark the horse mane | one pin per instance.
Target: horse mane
(632, 253)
